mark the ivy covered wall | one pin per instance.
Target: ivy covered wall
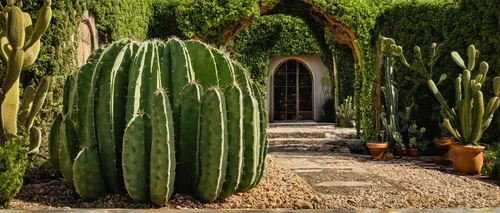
(58, 54)
(217, 21)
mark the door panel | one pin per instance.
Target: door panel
(293, 92)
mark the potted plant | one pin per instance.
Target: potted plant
(413, 147)
(415, 134)
(345, 113)
(376, 148)
(470, 117)
(443, 142)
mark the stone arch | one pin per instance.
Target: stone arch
(314, 16)
(87, 37)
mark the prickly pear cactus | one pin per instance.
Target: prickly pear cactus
(158, 115)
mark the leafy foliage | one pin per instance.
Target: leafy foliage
(13, 162)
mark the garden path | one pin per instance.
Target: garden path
(322, 161)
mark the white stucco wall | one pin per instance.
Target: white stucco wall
(317, 68)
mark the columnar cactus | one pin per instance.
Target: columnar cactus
(390, 115)
(469, 118)
(20, 45)
(192, 118)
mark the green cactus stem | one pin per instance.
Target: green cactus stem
(163, 160)
(213, 146)
(189, 137)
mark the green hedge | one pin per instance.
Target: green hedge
(454, 27)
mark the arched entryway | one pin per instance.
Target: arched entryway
(292, 92)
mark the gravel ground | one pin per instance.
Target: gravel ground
(404, 184)
(412, 187)
(280, 188)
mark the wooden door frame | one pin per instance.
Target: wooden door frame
(271, 97)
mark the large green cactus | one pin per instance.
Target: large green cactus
(146, 137)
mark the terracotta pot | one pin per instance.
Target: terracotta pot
(466, 159)
(443, 144)
(377, 149)
(414, 153)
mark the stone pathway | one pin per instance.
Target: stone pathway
(318, 155)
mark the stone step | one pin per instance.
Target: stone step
(304, 144)
(301, 124)
(310, 132)
(343, 142)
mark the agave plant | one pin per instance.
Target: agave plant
(345, 113)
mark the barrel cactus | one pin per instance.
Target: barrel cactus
(157, 117)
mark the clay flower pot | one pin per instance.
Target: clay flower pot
(377, 149)
(414, 153)
(443, 144)
(466, 159)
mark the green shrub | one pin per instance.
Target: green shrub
(13, 162)
(357, 147)
(491, 160)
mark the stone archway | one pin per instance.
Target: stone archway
(318, 20)
(87, 37)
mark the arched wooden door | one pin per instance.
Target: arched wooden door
(292, 92)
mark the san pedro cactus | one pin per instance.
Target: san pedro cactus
(156, 116)
(390, 115)
(235, 129)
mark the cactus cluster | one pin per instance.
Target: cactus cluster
(19, 47)
(470, 117)
(148, 118)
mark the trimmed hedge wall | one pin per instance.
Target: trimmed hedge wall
(454, 26)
